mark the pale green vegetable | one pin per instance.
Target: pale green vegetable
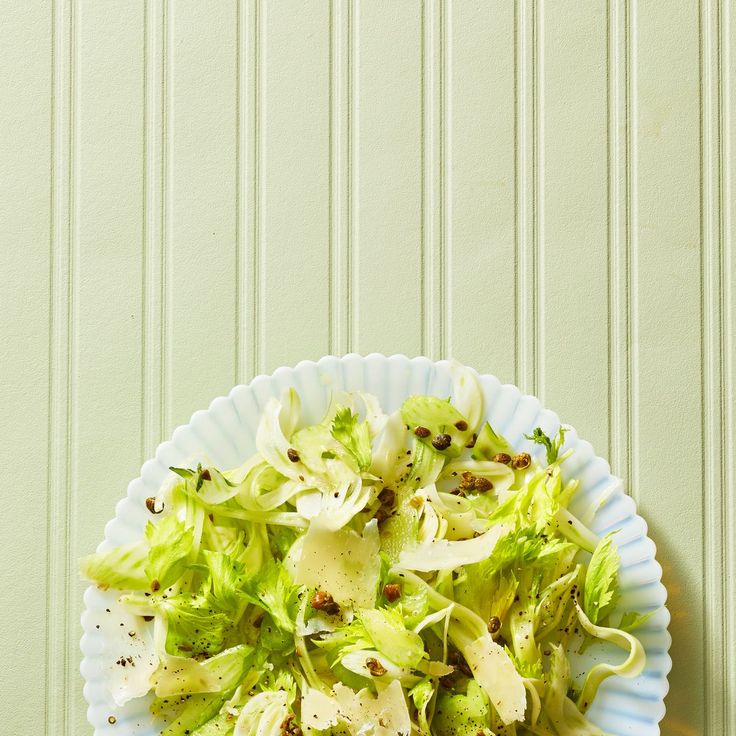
(187, 715)
(221, 724)
(448, 430)
(601, 581)
(559, 712)
(489, 444)
(463, 714)
(272, 590)
(361, 563)
(263, 714)
(631, 621)
(441, 554)
(389, 634)
(185, 675)
(552, 446)
(353, 435)
(120, 567)
(421, 695)
(226, 578)
(632, 666)
(196, 627)
(489, 662)
(162, 558)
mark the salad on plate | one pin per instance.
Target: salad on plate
(373, 574)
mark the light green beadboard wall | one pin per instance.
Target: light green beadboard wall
(195, 192)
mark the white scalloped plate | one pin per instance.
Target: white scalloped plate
(226, 433)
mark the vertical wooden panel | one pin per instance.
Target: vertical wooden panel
(388, 195)
(294, 211)
(717, 357)
(666, 232)
(435, 155)
(727, 81)
(62, 367)
(340, 260)
(573, 209)
(619, 241)
(247, 155)
(25, 154)
(526, 235)
(153, 324)
(482, 188)
(200, 187)
(107, 228)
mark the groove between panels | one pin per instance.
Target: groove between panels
(443, 318)
(425, 256)
(153, 248)
(71, 666)
(446, 36)
(249, 258)
(538, 160)
(727, 205)
(632, 253)
(518, 194)
(258, 190)
(353, 113)
(620, 237)
(167, 209)
(433, 264)
(333, 241)
(613, 229)
(247, 189)
(340, 259)
(51, 638)
(528, 198)
(145, 250)
(62, 361)
(240, 337)
(714, 369)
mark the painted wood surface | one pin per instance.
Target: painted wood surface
(193, 193)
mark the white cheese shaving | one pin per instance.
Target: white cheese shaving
(442, 554)
(263, 715)
(362, 713)
(129, 654)
(183, 675)
(495, 672)
(341, 562)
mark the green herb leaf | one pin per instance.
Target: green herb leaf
(183, 472)
(353, 435)
(489, 444)
(171, 543)
(553, 446)
(633, 620)
(601, 590)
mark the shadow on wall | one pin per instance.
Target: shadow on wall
(684, 715)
